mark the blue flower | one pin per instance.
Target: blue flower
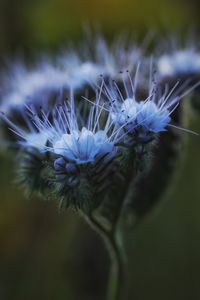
(127, 110)
(180, 62)
(140, 119)
(84, 146)
(68, 134)
(37, 140)
(48, 78)
(152, 117)
(23, 85)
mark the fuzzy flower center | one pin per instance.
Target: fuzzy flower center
(145, 114)
(126, 113)
(151, 117)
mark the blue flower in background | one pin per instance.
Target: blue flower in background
(45, 83)
(180, 62)
(23, 85)
(48, 77)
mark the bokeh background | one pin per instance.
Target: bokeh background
(45, 255)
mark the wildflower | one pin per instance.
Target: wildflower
(79, 71)
(99, 57)
(80, 153)
(153, 117)
(23, 86)
(180, 61)
(140, 119)
(177, 58)
(183, 62)
(47, 82)
(84, 146)
(64, 135)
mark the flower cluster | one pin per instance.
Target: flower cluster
(140, 120)
(82, 146)
(69, 69)
(81, 149)
(96, 130)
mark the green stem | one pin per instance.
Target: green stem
(114, 245)
(117, 272)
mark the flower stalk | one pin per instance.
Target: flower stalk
(116, 285)
(113, 241)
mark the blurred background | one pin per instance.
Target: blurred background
(52, 256)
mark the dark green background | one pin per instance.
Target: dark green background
(47, 255)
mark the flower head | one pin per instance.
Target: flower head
(140, 119)
(152, 117)
(77, 142)
(100, 57)
(178, 58)
(37, 85)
